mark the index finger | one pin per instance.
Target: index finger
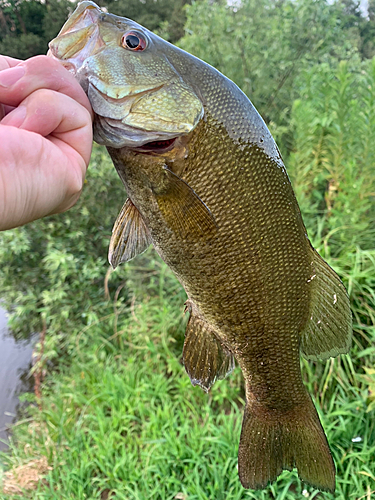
(8, 62)
(40, 72)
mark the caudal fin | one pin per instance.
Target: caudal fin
(272, 441)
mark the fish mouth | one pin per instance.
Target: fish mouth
(114, 134)
(156, 147)
(78, 38)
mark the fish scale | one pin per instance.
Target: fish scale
(207, 187)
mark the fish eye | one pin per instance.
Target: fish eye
(133, 41)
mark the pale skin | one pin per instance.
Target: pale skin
(45, 139)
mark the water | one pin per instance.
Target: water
(15, 363)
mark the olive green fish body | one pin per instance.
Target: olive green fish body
(207, 186)
(251, 282)
(253, 276)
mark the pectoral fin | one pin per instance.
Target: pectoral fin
(329, 330)
(183, 210)
(130, 236)
(205, 359)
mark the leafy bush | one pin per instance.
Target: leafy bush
(264, 45)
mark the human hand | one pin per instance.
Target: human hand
(45, 139)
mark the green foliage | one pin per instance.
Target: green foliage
(23, 46)
(332, 168)
(333, 160)
(369, 378)
(264, 45)
(28, 26)
(167, 15)
(52, 271)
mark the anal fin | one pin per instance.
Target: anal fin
(329, 329)
(130, 236)
(205, 359)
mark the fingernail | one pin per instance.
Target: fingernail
(9, 77)
(16, 117)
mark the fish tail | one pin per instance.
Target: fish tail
(272, 440)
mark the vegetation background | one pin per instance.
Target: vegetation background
(116, 416)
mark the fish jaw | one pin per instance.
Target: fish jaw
(78, 38)
(137, 97)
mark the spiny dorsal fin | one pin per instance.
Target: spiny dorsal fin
(130, 236)
(183, 210)
(329, 330)
(205, 359)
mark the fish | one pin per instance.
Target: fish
(207, 187)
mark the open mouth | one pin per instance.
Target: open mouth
(157, 147)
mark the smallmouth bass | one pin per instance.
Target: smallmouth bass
(208, 188)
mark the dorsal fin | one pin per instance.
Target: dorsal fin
(130, 236)
(184, 212)
(205, 359)
(329, 330)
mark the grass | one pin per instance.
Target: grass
(120, 419)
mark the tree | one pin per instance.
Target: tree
(263, 45)
(153, 14)
(27, 27)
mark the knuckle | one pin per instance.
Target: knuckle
(43, 99)
(76, 185)
(50, 73)
(4, 64)
(44, 94)
(41, 64)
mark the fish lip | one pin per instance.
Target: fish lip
(86, 14)
(110, 133)
(75, 64)
(66, 64)
(84, 25)
(117, 100)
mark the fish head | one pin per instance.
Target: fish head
(137, 95)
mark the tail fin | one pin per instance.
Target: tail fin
(272, 441)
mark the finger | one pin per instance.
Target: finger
(40, 72)
(8, 62)
(49, 113)
(36, 178)
(4, 110)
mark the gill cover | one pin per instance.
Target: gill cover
(137, 96)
